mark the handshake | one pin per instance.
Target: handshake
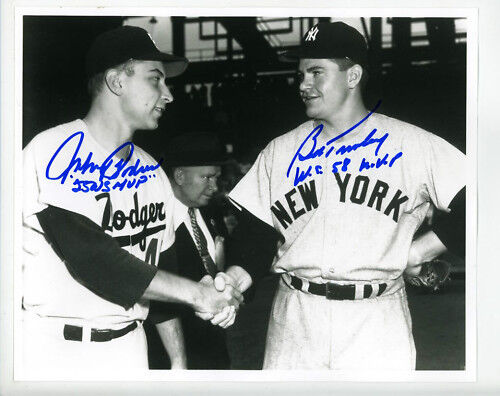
(220, 297)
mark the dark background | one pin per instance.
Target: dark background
(425, 86)
(248, 110)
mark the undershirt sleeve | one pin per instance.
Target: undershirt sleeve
(450, 227)
(94, 258)
(253, 245)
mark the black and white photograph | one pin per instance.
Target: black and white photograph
(268, 196)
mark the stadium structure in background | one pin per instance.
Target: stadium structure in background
(235, 84)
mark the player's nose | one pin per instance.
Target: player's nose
(305, 84)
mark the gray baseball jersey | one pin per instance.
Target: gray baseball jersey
(339, 206)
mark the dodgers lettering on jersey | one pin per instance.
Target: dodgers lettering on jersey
(341, 222)
(139, 219)
(153, 213)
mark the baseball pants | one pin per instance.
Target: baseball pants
(45, 350)
(307, 331)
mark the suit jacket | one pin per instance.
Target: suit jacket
(205, 343)
(188, 258)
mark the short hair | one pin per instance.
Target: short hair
(96, 82)
(347, 63)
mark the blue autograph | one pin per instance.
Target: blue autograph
(129, 176)
(301, 175)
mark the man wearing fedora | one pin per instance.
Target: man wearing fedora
(333, 207)
(98, 220)
(192, 163)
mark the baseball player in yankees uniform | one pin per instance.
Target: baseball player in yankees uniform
(97, 219)
(342, 195)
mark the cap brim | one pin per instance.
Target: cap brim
(290, 56)
(174, 65)
(301, 53)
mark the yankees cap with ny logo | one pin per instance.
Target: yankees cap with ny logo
(327, 40)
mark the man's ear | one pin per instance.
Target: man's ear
(113, 81)
(354, 75)
(179, 176)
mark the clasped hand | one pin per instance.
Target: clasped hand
(221, 300)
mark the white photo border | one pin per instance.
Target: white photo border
(467, 375)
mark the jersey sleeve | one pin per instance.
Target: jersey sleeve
(169, 202)
(253, 192)
(94, 258)
(444, 171)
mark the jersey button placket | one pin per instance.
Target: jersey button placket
(326, 263)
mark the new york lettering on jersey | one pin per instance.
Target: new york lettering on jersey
(361, 190)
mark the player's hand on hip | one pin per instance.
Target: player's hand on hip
(424, 248)
(408, 224)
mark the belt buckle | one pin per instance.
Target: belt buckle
(330, 291)
(102, 335)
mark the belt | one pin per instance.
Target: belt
(75, 333)
(334, 291)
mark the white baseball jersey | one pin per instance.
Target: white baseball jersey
(341, 222)
(138, 217)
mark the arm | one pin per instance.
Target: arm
(171, 335)
(98, 262)
(448, 233)
(166, 316)
(450, 227)
(425, 248)
(202, 296)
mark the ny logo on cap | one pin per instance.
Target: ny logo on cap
(311, 34)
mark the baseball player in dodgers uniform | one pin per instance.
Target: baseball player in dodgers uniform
(344, 193)
(97, 219)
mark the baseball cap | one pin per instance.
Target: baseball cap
(195, 149)
(327, 40)
(117, 46)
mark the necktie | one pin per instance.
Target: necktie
(201, 244)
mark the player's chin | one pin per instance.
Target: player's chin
(152, 123)
(311, 111)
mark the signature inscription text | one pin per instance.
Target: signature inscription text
(114, 172)
(302, 155)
